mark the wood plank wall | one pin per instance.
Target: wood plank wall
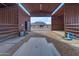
(8, 22)
(71, 18)
(22, 17)
(58, 22)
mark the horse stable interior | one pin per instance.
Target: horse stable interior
(15, 18)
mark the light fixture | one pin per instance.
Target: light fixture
(57, 8)
(23, 8)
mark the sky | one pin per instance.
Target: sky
(47, 20)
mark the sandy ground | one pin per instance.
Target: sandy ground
(41, 28)
(65, 47)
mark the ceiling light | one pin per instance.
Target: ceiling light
(23, 8)
(57, 8)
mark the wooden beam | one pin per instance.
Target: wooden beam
(4, 4)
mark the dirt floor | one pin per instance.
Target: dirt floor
(65, 47)
(41, 28)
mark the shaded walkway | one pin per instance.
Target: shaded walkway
(37, 46)
(9, 47)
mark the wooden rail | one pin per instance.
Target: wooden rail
(8, 31)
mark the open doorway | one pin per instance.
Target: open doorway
(40, 23)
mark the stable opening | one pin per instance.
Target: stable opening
(40, 23)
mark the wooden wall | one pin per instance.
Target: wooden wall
(71, 18)
(22, 17)
(58, 20)
(8, 22)
(11, 20)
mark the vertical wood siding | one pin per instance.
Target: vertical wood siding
(22, 17)
(8, 22)
(58, 22)
(71, 18)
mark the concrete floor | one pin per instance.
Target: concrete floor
(37, 46)
(9, 46)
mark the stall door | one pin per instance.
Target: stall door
(26, 25)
